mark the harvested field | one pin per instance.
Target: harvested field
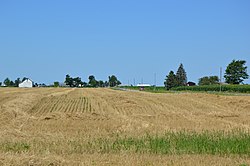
(43, 126)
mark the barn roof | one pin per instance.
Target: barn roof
(143, 85)
(28, 79)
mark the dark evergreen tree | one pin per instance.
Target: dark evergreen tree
(171, 81)
(181, 76)
(12, 84)
(236, 72)
(17, 82)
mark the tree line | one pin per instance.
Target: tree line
(235, 73)
(77, 82)
(69, 81)
(15, 83)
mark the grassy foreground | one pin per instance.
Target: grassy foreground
(211, 143)
(218, 143)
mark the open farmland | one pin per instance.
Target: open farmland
(79, 126)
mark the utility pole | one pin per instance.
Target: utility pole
(134, 81)
(155, 81)
(220, 79)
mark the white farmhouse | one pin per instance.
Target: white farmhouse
(27, 83)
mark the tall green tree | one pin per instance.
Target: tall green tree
(17, 82)
(101, 83)
(236, 72)
(56, 84)
(77, 82)
(7, 82)
(92, 81)
(181, 76)
(12, 84)
(211, 80)
(68, 80)
(170, 81)
(113, 81)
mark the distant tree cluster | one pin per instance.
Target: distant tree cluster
(175, 80)
(73, 82)
(235, 73)
(77, 82)
(9, 83)
(211, 80)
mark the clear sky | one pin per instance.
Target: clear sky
(133, 39)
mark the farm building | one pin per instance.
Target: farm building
(27, 83)
(3, 85)
(142, 86)
(191, 84)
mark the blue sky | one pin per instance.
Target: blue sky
(133, 39)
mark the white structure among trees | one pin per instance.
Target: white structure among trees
(143, 85)
(27, 83)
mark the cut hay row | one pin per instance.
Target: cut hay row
(71, 103)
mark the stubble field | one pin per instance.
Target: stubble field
(57, 126)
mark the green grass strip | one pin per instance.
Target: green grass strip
(216, 143)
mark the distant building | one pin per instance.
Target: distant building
(27, 83)
(191, 84)
(142, 86)
(62, 84)
(3, 85)
(41, 85)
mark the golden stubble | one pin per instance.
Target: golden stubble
(49, 118)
